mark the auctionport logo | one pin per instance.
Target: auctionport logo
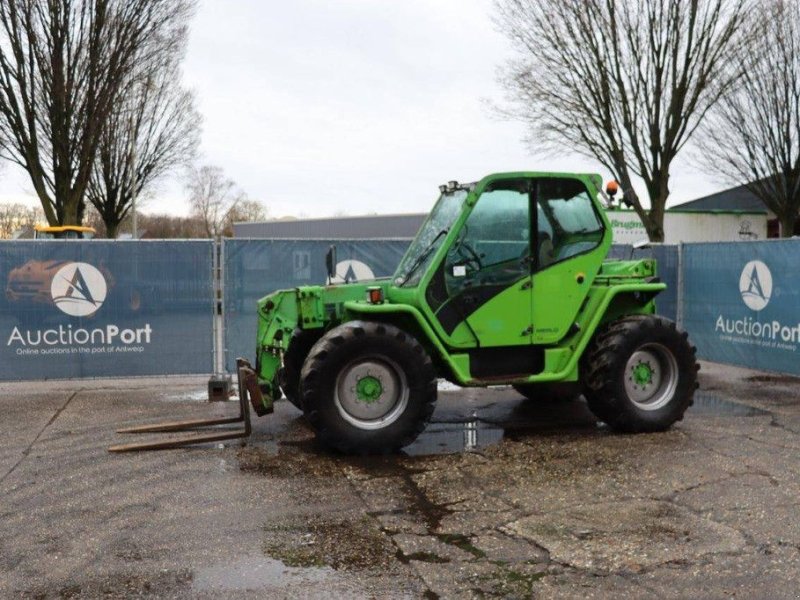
(349, 271)
(78, 289)
(755, 285)
(756, 289)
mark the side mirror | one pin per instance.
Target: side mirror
(331, 262)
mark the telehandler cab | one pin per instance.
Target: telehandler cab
(505, 283)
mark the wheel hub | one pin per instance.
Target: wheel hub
(369, 389)
(643, 374)
(371, 393)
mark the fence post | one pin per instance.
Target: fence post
(222, 364)
(679, 299)
(219, 385)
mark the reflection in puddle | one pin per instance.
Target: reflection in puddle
(474, 434)
(189, 395)
(449, 438)
(706, 403)
(254, 573)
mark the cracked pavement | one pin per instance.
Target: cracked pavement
(542, 503)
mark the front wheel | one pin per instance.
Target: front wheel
(367, 388)
(640, 374)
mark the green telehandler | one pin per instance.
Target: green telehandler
(506, 283)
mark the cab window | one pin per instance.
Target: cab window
(567, 221)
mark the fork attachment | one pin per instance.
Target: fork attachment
(247, 381)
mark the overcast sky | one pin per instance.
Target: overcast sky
(320, 107)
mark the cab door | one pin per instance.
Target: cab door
(571, 244)
(482, 293)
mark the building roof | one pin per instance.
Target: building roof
(738, 199)
(349, 228)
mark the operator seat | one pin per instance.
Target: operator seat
(546, 251)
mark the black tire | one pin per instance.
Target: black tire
(289, 376)
(354, 353)
(549, 392)
(640, 374)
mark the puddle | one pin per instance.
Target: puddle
(443, 385)
(455, 437)
(191, 395)
(706, 403)
(452, 438)
(197, 396)
(255, 573)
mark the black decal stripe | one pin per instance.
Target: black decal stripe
(460, 308)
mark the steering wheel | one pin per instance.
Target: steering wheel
(471, 257)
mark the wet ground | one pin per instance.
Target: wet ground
(499, 498)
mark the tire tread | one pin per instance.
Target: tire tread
(608, 354)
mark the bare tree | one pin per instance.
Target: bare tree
(213, 198)
(152, 225)
(164, 226)
(752, 137)
(153, 128)
(625, 83)
(248, 211)
(63, 64)
(16, 216)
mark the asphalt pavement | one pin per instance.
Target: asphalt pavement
(501, 497)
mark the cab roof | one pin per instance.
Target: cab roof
(63, 228)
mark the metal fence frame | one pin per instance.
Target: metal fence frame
(221, 361)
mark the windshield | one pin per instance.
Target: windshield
(430, 237)
(64, 235)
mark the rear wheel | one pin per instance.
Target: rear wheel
(289, 376)
(368, 388)
(641, 374)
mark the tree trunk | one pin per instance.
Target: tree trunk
(658, 191)
(655, 225)
(112, 229)
(652, 220)
(787, 224)
(70, 215)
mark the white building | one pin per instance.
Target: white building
(692, 226)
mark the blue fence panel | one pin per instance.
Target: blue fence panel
(742, 303)
(72, 309)
(253, 268)
(620, 252)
